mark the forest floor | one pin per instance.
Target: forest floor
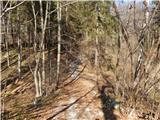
(79, 99)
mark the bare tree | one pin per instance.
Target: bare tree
(49, 43)
(96, 44)
(19, 43)
(7, 41)
(6, 22)
(146, 4)
(66, 12)
(37, 57)
(96, 41)
(146, 42)
(134, 19)
(1, 26)
(43, 28)
(144, 69)
(39, 78)
(7, 9)
(59, 41)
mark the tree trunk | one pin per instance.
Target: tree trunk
(36, 81)
(59, 41)
(19, 43)
(1, 30)
(134, 20)
(97, 42)
(42, 45)
(49, 45)
(7, 40)
(147, 41)
(66, 10)
(40, 83)
(146, 3)
(1, 7)
(96, 52)
(13, 35)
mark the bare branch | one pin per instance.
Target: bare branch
(11, 8)
(62, 6)
(5, 5)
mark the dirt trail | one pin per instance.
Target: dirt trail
(79, 100)
(82, 101)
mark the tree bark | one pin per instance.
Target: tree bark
(19, 43)
(66, 10)
(59, 41)
(36, 81)
(96, 48)
(43, 28)
(7, 40)
(49, 44)
(134, 20)
(147, 41)
(1, 30)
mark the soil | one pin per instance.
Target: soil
(79, 100)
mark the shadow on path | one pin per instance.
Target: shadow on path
(68, 106)
(107, 105)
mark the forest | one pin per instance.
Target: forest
(80, 60)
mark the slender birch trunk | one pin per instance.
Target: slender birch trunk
(97, 42)
(59, 41)
(96, 51)
(7, 41)
(42, 46)
(1, 5)
(118, 45)
(40, 83)
(147, 41)
(19, 43)
(146, 3)
(42, 41)
(134, 20)
(66, 10)
(4, 31)
(49, 44)
(1, 27)
(35, 51)
(12, 34)
(7, 37)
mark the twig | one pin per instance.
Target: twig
(11, 8)
(61, 7)
(5, 5)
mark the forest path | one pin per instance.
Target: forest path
(78, 100)
(82, 100)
